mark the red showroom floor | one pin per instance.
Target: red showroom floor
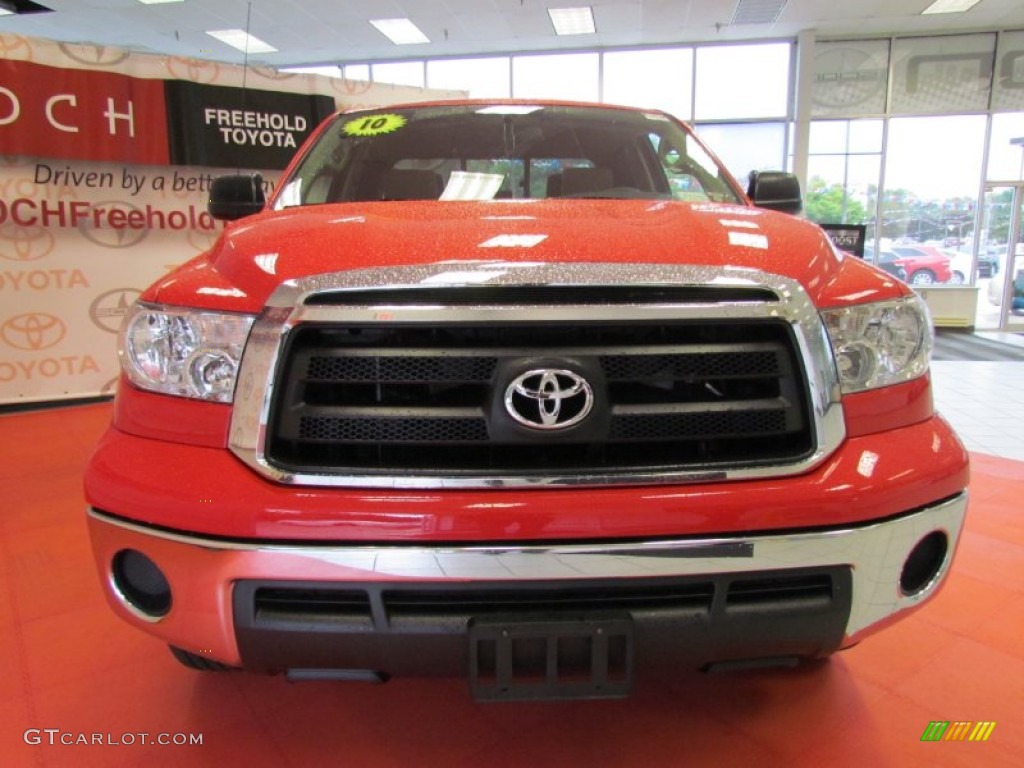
(71, 669)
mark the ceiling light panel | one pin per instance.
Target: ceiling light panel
(950, 6)
(242, 40)
(400, 31)
(572, 21)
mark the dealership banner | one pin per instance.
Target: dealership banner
(73, 113)
(99, 196)
(221, 126)
(85, 115)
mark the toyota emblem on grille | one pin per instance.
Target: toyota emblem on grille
(549, 398)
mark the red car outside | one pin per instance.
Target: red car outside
(531, 393)
(924, 264)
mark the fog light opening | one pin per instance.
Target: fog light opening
(141, 584)
(924, 563)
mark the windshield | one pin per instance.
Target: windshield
(505, 151)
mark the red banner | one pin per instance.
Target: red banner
(81, 114)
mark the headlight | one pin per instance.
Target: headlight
(183, 352)
(877, 345)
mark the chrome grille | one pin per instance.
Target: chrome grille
(393, 398)
(392, 377)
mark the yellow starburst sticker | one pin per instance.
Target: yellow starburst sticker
(373, 125)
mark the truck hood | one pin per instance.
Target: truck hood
(255, 255)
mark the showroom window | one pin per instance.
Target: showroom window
(736, 87)
(845, 160)
(399, 73)
(660, 79)
(327, 70)
(1006, 149)
(558, 76)
(746, 147)
(932, 172)
(357, 72)
(742, 81)
(480, 78)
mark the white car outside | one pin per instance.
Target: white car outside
(959, 266)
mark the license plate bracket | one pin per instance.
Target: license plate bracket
(529, 659)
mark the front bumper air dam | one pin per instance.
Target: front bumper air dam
(207, 577)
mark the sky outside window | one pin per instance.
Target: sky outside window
(656, 79)
(742, 81)
(481, 78)
(559, 76)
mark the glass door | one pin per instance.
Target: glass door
(1000, 259)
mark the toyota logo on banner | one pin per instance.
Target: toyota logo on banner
(549, 399)
(16, 47)
(269, 73)
(33, 331)
(94, 55)
(25, 243)
(108, 309)
(193, 70)
(108, 237)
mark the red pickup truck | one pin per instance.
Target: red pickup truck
(532, 393)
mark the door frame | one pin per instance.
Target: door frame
(1012, 259)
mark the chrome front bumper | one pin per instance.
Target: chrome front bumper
(202, 572)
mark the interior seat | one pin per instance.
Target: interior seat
(411, 184)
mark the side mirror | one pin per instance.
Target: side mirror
(775, 190)
(234, 197)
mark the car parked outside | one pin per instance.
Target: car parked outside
(960, 263)
(995, 292)
(988, 263)
(888, 261)
(925, 265)
(960, 266)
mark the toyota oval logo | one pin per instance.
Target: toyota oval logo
(108, 309)
(33, 331)
(109, 237)
(549, 398)
(25, 243)
(196, 70)
(94, 55)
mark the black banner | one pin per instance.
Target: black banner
(224, 127)
(847, 237)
